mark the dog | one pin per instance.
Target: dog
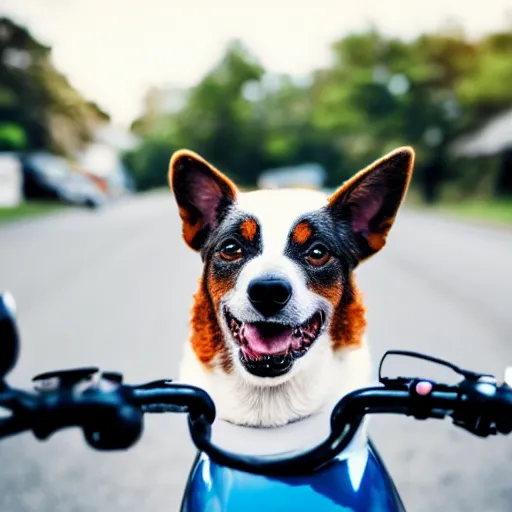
(278, 323)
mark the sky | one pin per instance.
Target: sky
(114, 50)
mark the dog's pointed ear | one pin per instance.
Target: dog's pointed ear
(203, 195)
(369, 201)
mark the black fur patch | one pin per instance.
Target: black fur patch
(230, 230)
(336, 236)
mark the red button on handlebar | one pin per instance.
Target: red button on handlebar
(423, 388)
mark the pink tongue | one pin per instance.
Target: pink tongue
(267, 339)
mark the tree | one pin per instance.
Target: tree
(37, 98)
(378, 93)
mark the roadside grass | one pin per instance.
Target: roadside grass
(478, 209)
(29, 209)
(494, 211)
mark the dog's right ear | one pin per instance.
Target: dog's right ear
(203, 195)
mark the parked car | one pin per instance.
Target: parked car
(307, 175)
(103, 164)
(47, 176)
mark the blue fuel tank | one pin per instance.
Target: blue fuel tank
(357, 482)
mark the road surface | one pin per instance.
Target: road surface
(113, 288)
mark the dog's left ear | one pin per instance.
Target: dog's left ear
(203, 195)
(369, 201)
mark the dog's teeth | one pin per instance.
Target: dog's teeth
(241, 336)
(306, 342)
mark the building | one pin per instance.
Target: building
(493, 138)
(489, 152)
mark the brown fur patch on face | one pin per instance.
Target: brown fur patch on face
(332, 291)
(249, 229)
(207, 338)
(217, 288)
(348, 320)
(302, 232)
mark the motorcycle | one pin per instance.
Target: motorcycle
(342, 472)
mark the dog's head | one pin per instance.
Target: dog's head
(277, 280)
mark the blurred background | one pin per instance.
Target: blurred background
(94, 98)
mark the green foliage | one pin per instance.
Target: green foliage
(32, 209)
(37, 97)
(149, 163)
(378, 93)
(12, 137)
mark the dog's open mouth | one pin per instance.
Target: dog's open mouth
(269, 349)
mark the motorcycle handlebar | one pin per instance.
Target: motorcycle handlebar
(111, 414)
(471, 409)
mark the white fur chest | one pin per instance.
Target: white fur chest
(316, 387)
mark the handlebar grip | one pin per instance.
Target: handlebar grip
(116, 431)
(108, 418)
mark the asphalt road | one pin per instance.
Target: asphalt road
(113, 288)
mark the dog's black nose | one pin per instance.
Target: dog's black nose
(269, 295)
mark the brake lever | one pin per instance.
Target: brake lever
(477, 425)
(467, 374)
(63, 379)
(155, 384)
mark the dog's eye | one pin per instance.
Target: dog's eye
(231, 251)
(318, 255)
